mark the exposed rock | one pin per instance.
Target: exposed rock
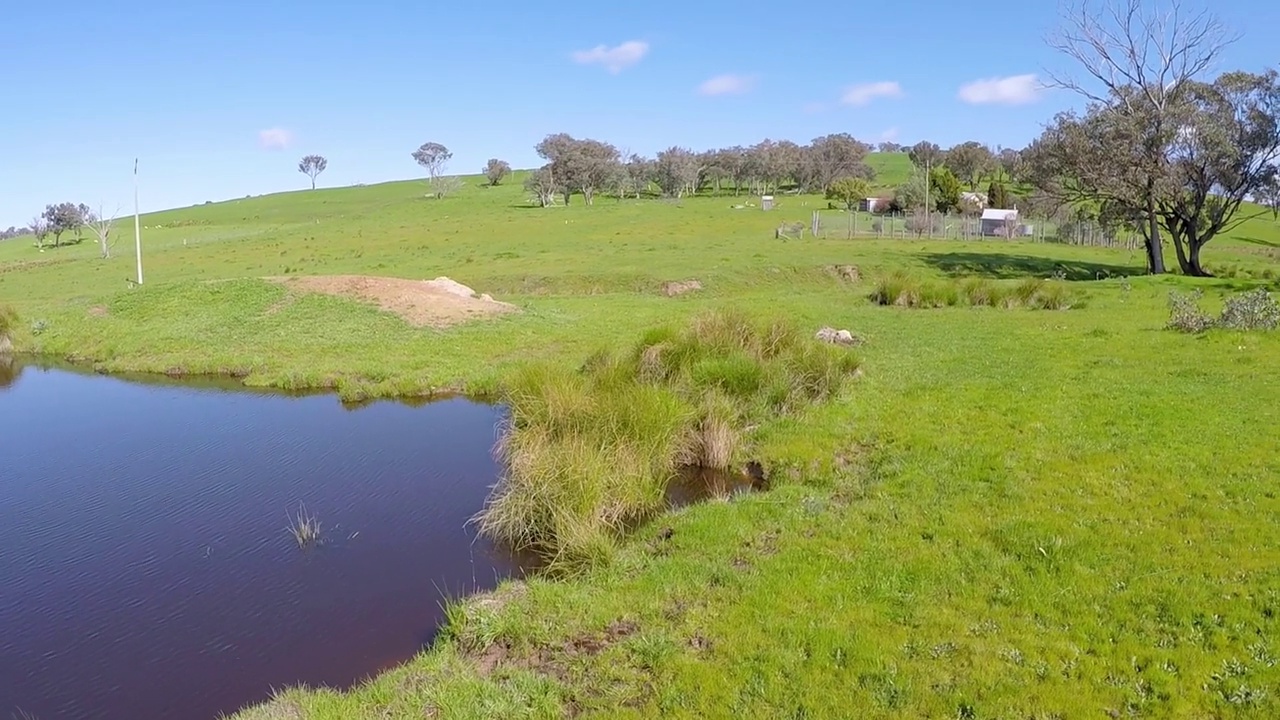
(453, 287)
(673, 289)
(838, 337)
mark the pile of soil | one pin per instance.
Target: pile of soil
(438, 303)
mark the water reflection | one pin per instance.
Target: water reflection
(145, 570)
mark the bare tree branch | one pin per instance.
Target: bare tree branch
(99, 224)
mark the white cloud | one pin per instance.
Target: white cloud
(863, 94)
(728, 85)
(890, 135)
(275, 138)
(1012, 90)
(614, 59)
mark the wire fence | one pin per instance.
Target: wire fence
(836, 224)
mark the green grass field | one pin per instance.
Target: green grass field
(1013, 513)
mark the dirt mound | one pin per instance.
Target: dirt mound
(435, 303)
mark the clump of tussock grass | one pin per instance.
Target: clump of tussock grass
(897, 288)
(8, 321)
(980, 292)
(305, 528)
(590, 451)
(1026, 291)
(901, 290)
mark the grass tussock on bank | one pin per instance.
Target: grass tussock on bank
(900, 289)
(591, 450)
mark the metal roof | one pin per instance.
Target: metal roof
(1001, 215)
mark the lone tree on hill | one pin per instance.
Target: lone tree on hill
(61, 218)
(311, 166)
(925, 153)
(970, 162)
(849, 191)
(434, 157)
(542, 183)
(496, 170)
(40, 230)
(1137, 63)
(100, 225)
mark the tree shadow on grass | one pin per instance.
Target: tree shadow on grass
(1003, 266)
(1259, 241)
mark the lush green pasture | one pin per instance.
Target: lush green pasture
(1013, 513)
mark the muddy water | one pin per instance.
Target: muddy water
(145, 569)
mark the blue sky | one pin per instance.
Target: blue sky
(220, 100)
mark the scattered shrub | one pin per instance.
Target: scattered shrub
(1185, 314)
(1253, 310)
(588, 452)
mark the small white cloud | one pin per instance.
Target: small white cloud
(863, 94)
(727, 85)
(275, 138)
(614, 59)
(1012, 90)
(889, 135)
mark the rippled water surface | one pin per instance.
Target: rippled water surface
(145, 570)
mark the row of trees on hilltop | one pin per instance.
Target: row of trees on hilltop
(588, 167)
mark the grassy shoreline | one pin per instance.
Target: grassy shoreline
(1014, 512)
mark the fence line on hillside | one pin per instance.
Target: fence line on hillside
(837, 224)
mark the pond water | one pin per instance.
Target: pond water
(145, 566)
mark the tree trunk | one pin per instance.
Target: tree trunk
(588, 194)
(1177, 234)
(1196, 269)
(1155, 254)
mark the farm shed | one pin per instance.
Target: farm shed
(995, 222)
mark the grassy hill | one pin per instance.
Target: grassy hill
(1013, 513)
(892, 169)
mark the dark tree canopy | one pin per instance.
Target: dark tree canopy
(831, 157)
(676, 171)
(945, 189)
(542, 184)
(1219, 146)
(1225, 150)
(435, 157)
(496, 170)
(925, 153)
(997, 196)
(1136, 60)
(582, 166)
(311, 166)
(971, 162)
(62, 218)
